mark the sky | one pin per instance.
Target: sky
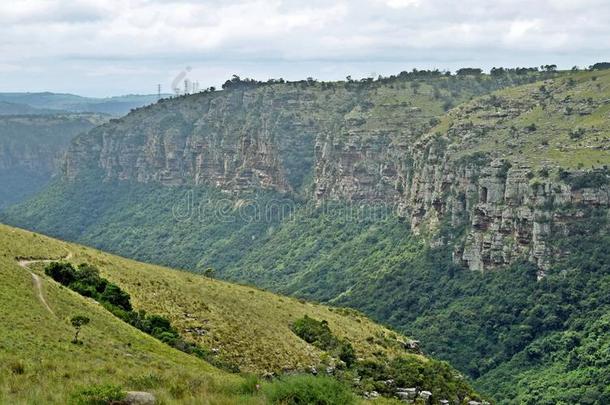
(112, 47)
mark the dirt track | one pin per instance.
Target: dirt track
(37, 281)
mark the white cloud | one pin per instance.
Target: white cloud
(520, 29)
(146, 40)
(401, 3)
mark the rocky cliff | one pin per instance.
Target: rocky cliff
(501, 170)
(31, 147)
(36, 142)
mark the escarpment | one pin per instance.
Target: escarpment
(36, 143)
(494, 178)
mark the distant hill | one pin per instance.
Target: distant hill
(119, 105)
(7, 108)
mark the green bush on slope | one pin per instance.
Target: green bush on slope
(308, 390)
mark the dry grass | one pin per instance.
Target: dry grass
(38, 364)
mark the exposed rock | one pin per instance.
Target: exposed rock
(273, 137)
(371, 395)
(139, 398)
(425, 395)
(406, 394)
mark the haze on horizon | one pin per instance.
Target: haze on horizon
(112, 47)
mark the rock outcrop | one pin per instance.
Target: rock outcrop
(468, 171)
(37, 142)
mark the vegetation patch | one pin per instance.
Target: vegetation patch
(98, 395)
(381, 374)
(318, 334)
(308, 389)
(591, 179)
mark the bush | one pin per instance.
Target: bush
(347, 353)
(315, 332)
(17, 367)
(307, 389)
(63, 273)
(319, 334)
(117, 297)
(98, 395)
(249, 386)
(86, 281)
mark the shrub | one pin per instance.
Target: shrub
(307, 389)
(249, 386)
(145, 381)
(63, 273)
(315, 332)
(347, 353)
(594, 179)
(17, 367)
(577, 133)
(117, 297)
(98, 395)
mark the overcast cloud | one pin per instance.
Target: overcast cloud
(96, 47)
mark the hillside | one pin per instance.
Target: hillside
(239, 324)
(370, 195)
(31, 147)
(38, 364)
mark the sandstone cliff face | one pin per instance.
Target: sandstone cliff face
(468, 171)
(505, 212)
(502, 184)
(234, 141)
(272, 137)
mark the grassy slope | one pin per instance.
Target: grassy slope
(557, 107)
(248, 326)
(113, 352)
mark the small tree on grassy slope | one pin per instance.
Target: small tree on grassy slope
(78, 322)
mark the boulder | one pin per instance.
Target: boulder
(425, 395)
(139, 398)
(406, 394)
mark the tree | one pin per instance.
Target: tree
(469, 72)
(63, 273)
(600, 66)
(78, 322)
(117, 297)
(548, 68)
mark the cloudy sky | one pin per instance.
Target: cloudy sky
(111, 47)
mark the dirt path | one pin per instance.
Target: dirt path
(36, 279)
